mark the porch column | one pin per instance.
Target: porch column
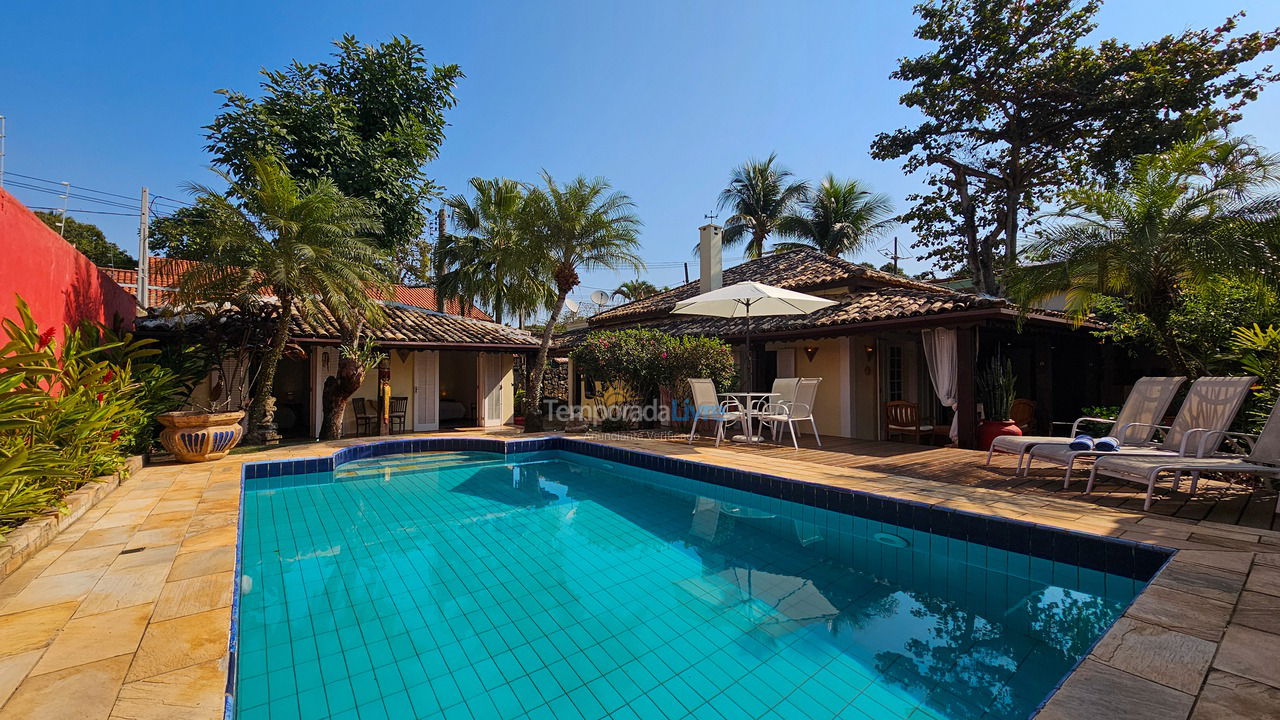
(966, 387)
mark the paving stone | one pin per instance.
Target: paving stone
(34, 628)
(1096, 690)
(84, 692)
(1264, 579)
(13, 669)
(87, 559)
(193, 693)
(94, 638)
(1258, 611)
(53, 590)
(1209, 582)
(182, 642)
(1224, 559)
(1180, 611)
(124, 588)
(203, 562)
(1152, 652)
(1231, 697)
(193, 595)
(1251, 654)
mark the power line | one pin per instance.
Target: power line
(73, 210)
(60, 193)
(78, 187)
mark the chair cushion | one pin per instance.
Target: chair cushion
(909, 428)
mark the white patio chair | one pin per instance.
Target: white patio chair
(1201, 424)
(784, 390)
(798, 410)
(1263, 460)
(1134, 425)
(707, 406)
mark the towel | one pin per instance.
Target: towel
(1082, 442)
(1106, 444)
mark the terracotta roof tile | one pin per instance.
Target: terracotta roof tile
(166, 273)
(408, 324)
(801, 270)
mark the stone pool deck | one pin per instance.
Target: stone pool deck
(126, 614)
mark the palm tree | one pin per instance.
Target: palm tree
(302, 242)
(581, 225)
(840, 218)
(760, 195)
(636, 289)
(1197, 212)
(486, 265)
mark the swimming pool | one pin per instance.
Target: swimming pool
(477, 584)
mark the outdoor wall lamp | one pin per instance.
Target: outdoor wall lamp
(324, 360)
(810, 351)
(870, 350)
(384, 370)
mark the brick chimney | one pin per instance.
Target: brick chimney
(711, 271)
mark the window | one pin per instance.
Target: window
(895, 372)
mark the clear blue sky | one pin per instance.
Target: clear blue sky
(662, 98)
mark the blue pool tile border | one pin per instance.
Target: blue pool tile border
(1118, 556)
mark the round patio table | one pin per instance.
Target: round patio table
(748, 402)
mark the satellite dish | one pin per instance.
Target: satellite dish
(571, 304)
(600, 297)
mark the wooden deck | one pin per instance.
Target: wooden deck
(1215, 501)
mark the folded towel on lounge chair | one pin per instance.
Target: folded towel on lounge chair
(1082, 442)
(1106, 444)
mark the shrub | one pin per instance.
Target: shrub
(72, 411)
(649, 361)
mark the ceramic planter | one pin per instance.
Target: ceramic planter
(989, 430)
(195, 436)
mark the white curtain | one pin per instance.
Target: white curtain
(940, 353)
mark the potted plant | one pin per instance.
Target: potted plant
(232, 339)
(996, 389)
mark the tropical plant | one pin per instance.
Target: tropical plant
(840, 217)
(1015, 106)
(760, 194)
(301, 242)
(1258, 351)
(368, 120)
(1188, 217)
(68, 413)
(581, 225)
(357, 355)
(486, 264)
(647, 361)
(996, 388)
(637, 289)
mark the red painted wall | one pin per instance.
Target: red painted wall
(61, 285)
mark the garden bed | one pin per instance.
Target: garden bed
(34, 535)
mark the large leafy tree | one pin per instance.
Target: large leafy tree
(581, 225)
(1015, 107)
(88, 239)
(760, 193)
(1205, 212)
(840, 217)
(302, 241)
(486, 263)
(370, 120)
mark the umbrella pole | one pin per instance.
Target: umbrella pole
(746, 382)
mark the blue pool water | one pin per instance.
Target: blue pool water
(552, 585)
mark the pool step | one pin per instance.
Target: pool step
(411, 467)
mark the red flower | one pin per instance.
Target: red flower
(99, 398)
(115, 435)
(111, 375)
(46, 337)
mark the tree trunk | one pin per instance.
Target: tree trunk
(338, 389)
(533, 420)
(267, 376)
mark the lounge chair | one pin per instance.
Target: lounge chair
(798, 410)
(1263, 460)
(1134, 425)
(707, 406)
(1211, 404)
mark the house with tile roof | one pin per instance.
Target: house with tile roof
(450, 367)
(869, 350)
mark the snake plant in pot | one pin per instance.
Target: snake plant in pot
(996, 390)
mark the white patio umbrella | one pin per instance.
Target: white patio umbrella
(747, 300)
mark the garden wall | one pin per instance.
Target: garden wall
(61, 285)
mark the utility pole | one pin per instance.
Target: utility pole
(144, 263)
(66, 193)
(1, 151)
